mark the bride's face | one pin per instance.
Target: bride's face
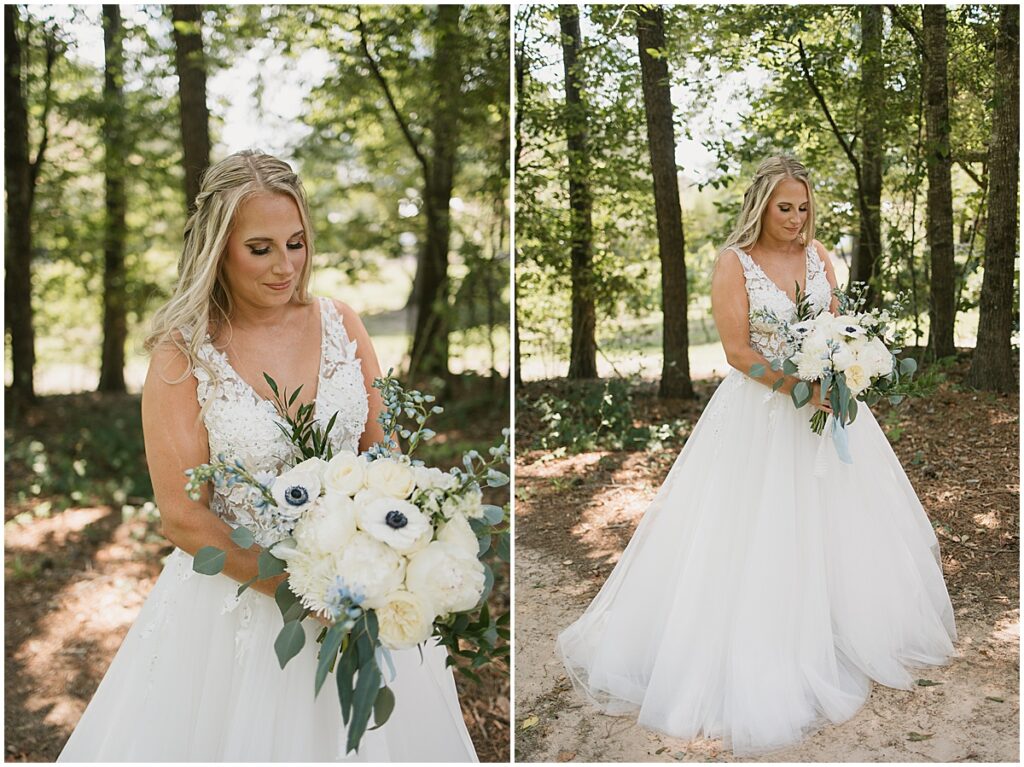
(266, 250)
(787, 210)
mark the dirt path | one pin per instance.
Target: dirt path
(575, 514)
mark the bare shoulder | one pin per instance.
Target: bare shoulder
(349, 318)
(169, 379)
(728, 268)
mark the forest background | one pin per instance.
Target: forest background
(396, 119)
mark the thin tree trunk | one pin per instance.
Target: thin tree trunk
(869, 245)
(195, 117)
(520, 75)
(942, 312)
(583, 351)
(18, 178)
(429, 353)
(992, 367)
(115, 323)
(675, 370)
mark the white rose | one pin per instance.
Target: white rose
(457, 532)
(295, 491)
(389, 476)
(395, 522)
(468, 502)
(857, 379)
(405, 620)
(346, 473)
(328, 526)
(432, 478)
(879, 357)
(370, 568)
(844, 356)
(449, 578)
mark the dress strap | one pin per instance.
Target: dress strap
(338, 348)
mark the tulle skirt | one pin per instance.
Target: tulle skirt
(767, 584)
(197, 679)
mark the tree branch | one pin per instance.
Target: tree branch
(51, 57)
(979, 180)
(908, 25)
(379, 76)
(828, 113)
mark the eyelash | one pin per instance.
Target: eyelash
(291, 246)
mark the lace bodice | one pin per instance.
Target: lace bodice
(764, 296)
(243, 425)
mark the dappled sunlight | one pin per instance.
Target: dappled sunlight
(989, 520)
(51, 531)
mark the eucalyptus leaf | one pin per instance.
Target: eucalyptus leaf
(289, 642)
(328, 654)
(757, 370)
(484, 545)
(801, 393)
(789, 367)
(383, 706)
(284, 597)
(243, 537)
(503, 547)
(493, 515)
(488, 583)
(344, 677)
(778, 384)
(209, 560)
(269, 565)
(908, 366)
(367, 689)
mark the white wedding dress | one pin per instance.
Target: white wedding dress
(768, 583)
(197, 679)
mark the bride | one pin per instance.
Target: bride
(764, 590)
(196, 678)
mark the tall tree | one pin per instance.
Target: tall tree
(195, 117)
(115, 321)
(429, 352)
(872, 96)
(650, 33)
(21, 173)
(583, 346)
(992, 367)
(942, 314)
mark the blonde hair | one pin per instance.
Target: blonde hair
(767, 176)
(201, 301)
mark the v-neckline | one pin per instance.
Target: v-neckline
(261, 400)
(764, 274)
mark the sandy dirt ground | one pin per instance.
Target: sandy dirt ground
(576, 513)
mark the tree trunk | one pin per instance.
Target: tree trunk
(520, 81)
(429, 353)
(992, 367)
(661, 142)
(195, 118)
(942, 311)
(583, 351)
(115, 324)
(18, 177)
(872, 88)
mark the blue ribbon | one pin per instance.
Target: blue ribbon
(384, 654)
(841, 440)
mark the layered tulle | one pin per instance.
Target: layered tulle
(196, 679)
(767, 584)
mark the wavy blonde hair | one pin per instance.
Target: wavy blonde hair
(201, 301)
(767, 176)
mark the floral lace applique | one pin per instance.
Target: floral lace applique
(765, 297)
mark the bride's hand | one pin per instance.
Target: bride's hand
(816, 399)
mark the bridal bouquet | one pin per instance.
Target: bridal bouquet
(848, 354)
(385, 550)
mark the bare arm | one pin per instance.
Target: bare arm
(176, 440)
(731, 309)
(373, 432)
